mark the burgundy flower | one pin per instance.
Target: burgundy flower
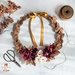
(48, 51)
(25, 54)
(52, 49)
(33, 53)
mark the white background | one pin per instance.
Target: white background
(52, 7)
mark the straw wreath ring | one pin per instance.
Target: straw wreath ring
(34, 55)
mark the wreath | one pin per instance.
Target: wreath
(34, 55)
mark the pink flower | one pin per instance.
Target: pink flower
(25, 54)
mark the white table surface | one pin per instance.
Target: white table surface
(52, 7)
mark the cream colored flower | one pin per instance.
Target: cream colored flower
(40, 58)
(43, 59)
(40, 53)
(37, 60)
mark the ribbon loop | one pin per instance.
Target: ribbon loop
(33, 16)
(43, 14)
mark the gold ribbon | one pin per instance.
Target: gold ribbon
(33, 16)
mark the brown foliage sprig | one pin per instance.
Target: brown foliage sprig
(6, 23)
(12, 7)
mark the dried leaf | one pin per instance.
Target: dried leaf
(57, 52)
(52, 57)
(32, 61)
(28, 62)
(48, 60)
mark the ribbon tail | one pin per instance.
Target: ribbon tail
(32, 37)
(41, 40)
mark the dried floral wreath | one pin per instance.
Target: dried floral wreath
(12, 7)
(33, 55)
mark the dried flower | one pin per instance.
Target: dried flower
(3, 10)
(51, 48)
(25, 54)
(40, 53)
(48, 51)
(40, 58)
(37, 60)
(33, 53)
(12, 7)
(43, 59)
(6, 23)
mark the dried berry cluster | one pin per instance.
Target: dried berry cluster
(51, 51)
(12, 7)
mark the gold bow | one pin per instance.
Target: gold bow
(33, 16)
